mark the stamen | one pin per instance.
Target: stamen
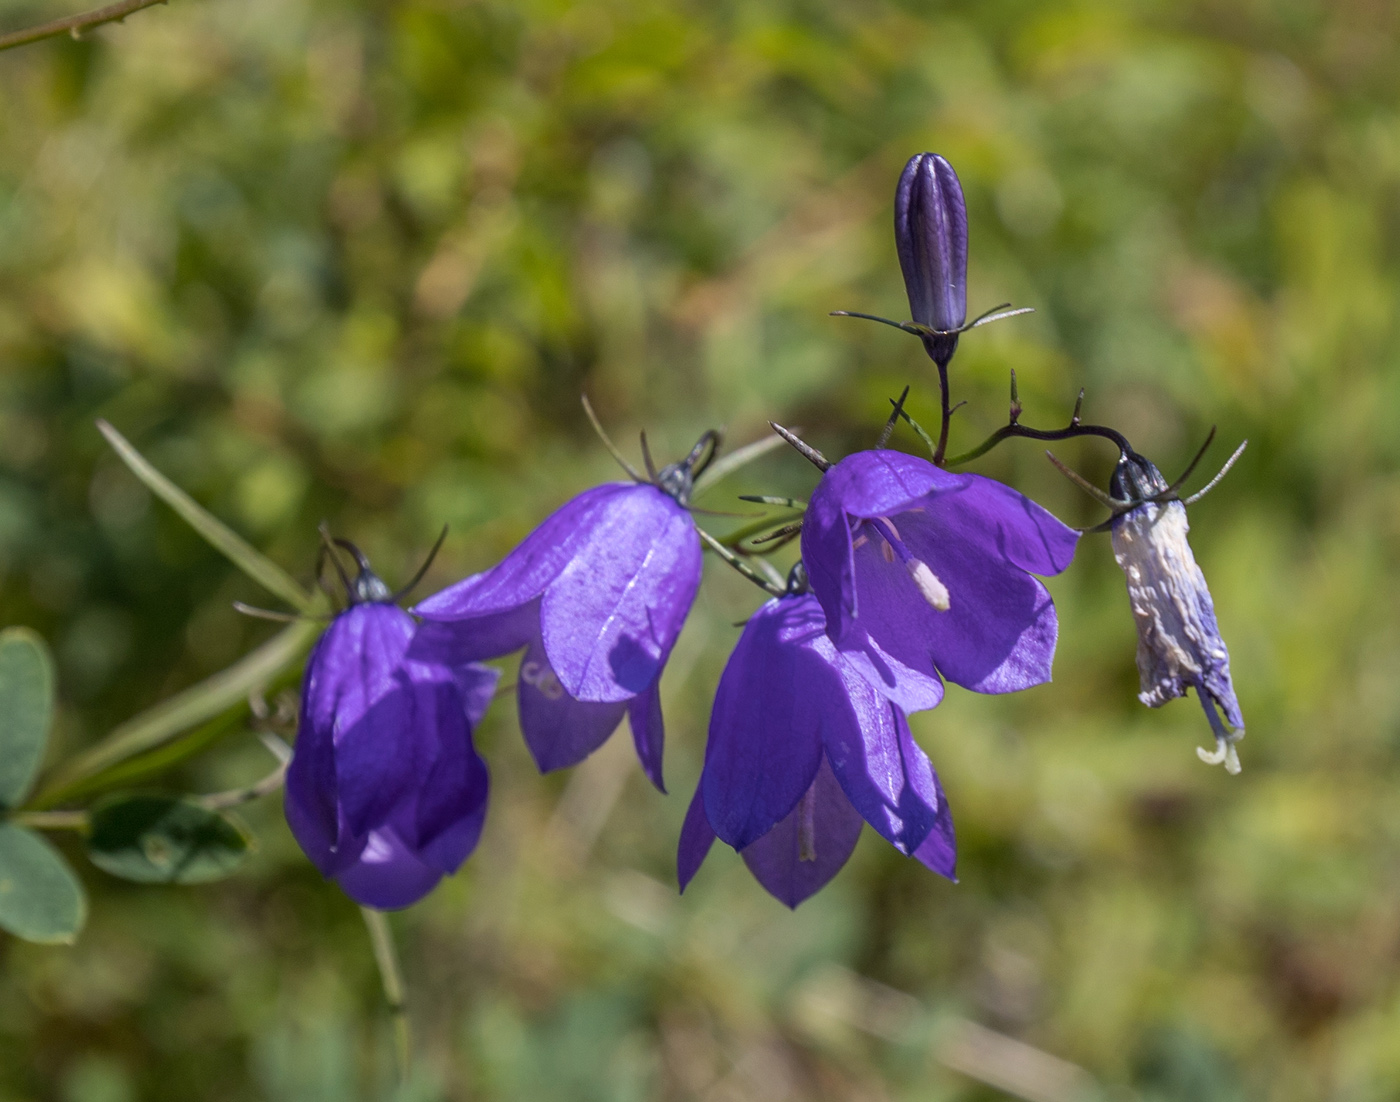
(925, 580)
(807, 825)
(934, 591)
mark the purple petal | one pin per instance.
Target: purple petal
(931, 237)
(451, 794)
(648, 731)
(323, 840)
(867, 484)
(353, 665)
(472, 638)
(809, 846)
(559, 730)
(883, 771)
(908, 689)
(611, 617)
(998, 634)
(939, 850)
(388, 875)
(477, 686)
(696, 839)
(523, 574)
(1007, 525)
(777, 693)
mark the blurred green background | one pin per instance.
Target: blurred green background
(356, 260)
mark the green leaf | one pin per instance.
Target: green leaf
(26, 711)
(158, 839)
(223, 538)
(40, 898)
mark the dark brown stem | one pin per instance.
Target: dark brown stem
(75, 25)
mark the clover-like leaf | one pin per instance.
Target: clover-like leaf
(26, 711)
(40, 898)
(159, 839)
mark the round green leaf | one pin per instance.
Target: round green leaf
(40, 898)
(26, 710)
(164, 840)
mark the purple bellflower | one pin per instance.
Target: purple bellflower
(802, 752)
(1179, 644)
(924, 574)
(597, 596)
(930, 231)
(386, 792)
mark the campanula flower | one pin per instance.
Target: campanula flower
(1179, 644)
(802, 752)
(596, 595)
(386, 792)
(924, 574)
(930, 230)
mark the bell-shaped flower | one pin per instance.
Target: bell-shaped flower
(924, 574)
(1179, 644)
(386, 792)
(930, 231)
(803, 751)
(597, 596)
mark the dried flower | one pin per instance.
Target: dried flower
(1179, 644)
(924, 574)
(803, 751)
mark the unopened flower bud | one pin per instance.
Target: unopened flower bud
(930, 231)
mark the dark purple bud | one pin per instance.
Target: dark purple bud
(930, 231)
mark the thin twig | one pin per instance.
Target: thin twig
(387, 959)
(75, 25)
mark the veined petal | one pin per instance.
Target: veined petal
(611, 617)
(472, 638)
(883, 771)
(523, 574)
(353, 665)
(559, 730)
(1006, 525)
(939, 851)
(808, 846)
(776, 696)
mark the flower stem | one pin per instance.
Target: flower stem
(51, 820)
(75, 25)
(387, 958)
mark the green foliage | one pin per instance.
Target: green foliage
(40, 898)
(26, 711)
(156, 839)
(324, 259)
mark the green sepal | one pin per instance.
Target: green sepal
(159, 839)
(26, 711)
(40, 898)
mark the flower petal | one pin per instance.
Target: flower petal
(648, 731)
(939, 851)
(1007, 525)
(611, 617)
(696, 839)
(775, 697)
(559, 730)
(451, 795)
(388, 875)
(472, 638)
(808, 847)
(523, 574)
(883, 771)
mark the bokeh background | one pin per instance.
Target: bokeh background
(356, 260)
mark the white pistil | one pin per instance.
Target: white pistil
(1224, 754)
(933, 591)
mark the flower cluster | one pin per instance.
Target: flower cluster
(910, 575)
